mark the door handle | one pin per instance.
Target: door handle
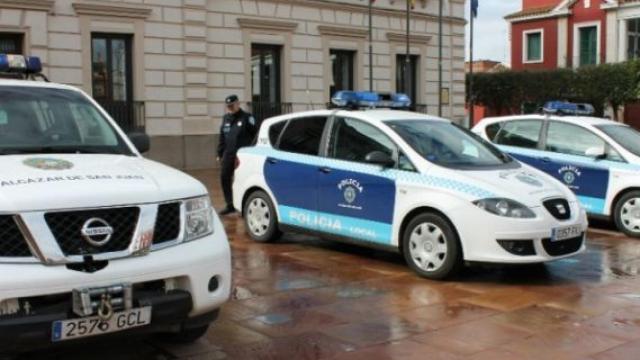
(324, 170)
(272, 161)
(545, 159)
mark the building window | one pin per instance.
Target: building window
(11, 43)
(588, 45)
(407, 76)
(341, 70)
(533, 46)
(265, 81)
(633, 39)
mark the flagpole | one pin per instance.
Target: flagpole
(440, 58)
(407, 60)
(371, 45)
(470, 91)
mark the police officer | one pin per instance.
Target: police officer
(238, 129)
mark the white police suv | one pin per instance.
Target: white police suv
(598, 159)
(404, 182)
(95, 239)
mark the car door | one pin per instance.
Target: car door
(520, 139)
(356, 198)
(292, 173)
(568, 150)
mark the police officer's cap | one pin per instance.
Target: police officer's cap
(231, 99)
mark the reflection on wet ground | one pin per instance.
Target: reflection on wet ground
(304, 298)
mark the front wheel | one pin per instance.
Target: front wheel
(627, 214)
(260, 218)
(431, 247)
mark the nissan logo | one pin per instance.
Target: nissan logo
(96, 232)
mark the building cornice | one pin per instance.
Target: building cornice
(111, 9)
(261, 24)
(363, 8)
(414, 39)
(40, 5)
(343, 31)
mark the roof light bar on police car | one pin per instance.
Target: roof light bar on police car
(368, 99)
(568, 108)
(28, 66)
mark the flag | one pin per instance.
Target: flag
(474, 8)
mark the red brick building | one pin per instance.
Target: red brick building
(547, 34)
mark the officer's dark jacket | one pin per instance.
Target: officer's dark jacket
(237, 130)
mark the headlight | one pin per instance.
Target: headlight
(505, 207)
(198, 218)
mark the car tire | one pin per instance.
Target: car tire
(260, 218)
(431, 247)
(626, 214)
(185, 335)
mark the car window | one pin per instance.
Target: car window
(492, 130)
(303, 135)
(405, 164)
(353, 140)
(522, 133)
(627, 137)
(275, 130)
(34, 120)
(571, 139)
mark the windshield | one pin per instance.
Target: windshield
(626, 136)
(43, 120)
(448, 145)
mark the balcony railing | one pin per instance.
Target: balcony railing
(130, 115)
(265, 110)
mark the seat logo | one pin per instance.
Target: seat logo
(96, 232)
(561, 209)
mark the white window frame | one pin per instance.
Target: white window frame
(576, 41)
(525, 46)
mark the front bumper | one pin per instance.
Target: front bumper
(186, 269)
(482, 231)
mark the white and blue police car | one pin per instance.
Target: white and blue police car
(599, 159)
(405, 182)
(94, 238)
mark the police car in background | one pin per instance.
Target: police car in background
(598, 159)
(95, 239)
(404, 182)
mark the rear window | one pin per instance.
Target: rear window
(274, 132)
(303, 135)
(524, 134)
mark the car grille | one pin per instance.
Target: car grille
(66, 228)
(167, 223)
(12, 243)
(563, 247)
(555, 206)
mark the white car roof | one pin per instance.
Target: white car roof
(33, 83)
(374, 115)
(579, 120)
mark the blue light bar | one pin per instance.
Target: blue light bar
(567, 108)
(20, 64)
(367, 99)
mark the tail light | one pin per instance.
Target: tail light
(237, 163)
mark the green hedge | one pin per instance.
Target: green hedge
(602, 85)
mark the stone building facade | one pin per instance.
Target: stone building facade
(166, 66)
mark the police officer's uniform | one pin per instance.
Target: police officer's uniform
(237, 130)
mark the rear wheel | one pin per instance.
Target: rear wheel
(431, 247)
(627, 214)
(260, 218)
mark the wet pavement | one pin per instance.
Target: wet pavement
(305, 298)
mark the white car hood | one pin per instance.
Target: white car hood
(51, 182)
(526, 185)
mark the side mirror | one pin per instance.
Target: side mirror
(141, 141)
(596, 153)
(379, 158)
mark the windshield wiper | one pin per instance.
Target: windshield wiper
(53, 150)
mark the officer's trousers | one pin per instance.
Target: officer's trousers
(226, 177)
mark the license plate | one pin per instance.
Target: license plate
(564, 233)
(93, 326)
